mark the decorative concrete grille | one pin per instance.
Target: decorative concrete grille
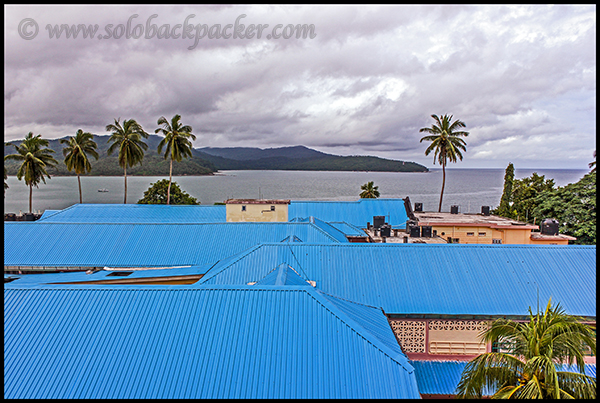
(410, 334)
(460, 325)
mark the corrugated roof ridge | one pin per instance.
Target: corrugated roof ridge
(360, 330)
(230, 260)
(325, 232)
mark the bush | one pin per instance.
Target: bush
(157, 194)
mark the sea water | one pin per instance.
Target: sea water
(468, 188)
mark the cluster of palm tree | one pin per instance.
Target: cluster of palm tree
(127, 142)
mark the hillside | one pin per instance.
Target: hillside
(300, 158)
(208, 160)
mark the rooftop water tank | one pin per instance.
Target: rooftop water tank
(549, 226)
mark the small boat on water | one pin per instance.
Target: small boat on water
(102, 190)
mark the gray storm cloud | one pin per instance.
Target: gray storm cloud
(523, 78)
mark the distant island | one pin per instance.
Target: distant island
(208, 160)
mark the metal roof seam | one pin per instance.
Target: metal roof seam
(361, 330)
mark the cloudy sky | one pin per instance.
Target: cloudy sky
(359, 80)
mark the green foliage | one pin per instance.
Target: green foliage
(503, 209)
(369, 191)
(526, 369)
(77, 150)
(157, 194)
(154, 164)
(574, 206)
(76, 154)
(127, 139)
(525, 196)
(176, 142)
(34, 155)
(446, 142)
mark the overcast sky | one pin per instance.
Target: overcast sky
(362, 81)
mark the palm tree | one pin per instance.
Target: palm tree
(176, 142)
(445, 140)
(128, 140)
(75, 154)
(529, 367)
(593, 163)
(369, 191)
(35, 157)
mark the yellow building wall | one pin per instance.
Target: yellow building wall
(484, 235)
(256, 213)
(480, 235)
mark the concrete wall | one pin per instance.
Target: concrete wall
(257, 212)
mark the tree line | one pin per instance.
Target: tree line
(126, 141)
(533, 198)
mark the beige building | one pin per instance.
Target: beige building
(485, 229)
(256, 210)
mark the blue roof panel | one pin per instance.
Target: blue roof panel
(448, 279)
(142, 245)
(207, 342)
(136, 213)
(357, 213)
(442, 377)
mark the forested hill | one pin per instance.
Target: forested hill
(208, 160)
(300, 158)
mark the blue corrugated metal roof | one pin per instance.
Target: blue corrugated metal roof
(136, 213)
(326, 227)
(442, 377)
(81, 276)
(356, 213)
(139, 245)
(432, 279)
(204, 342)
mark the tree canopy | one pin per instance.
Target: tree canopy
(157, 194)
(526, 368)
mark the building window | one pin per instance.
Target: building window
(243, 208)
(482, 234)
(470, 234)
(497, 241)
(455, 240)
(272, 208)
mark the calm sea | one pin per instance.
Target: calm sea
(468, 188)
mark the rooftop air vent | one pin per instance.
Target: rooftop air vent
(453, 209)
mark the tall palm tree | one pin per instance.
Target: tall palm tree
(446, 141)
(369, 191)
(35, 157)
(75, 153)
(529, 367)
(176, 142)
(127, 139)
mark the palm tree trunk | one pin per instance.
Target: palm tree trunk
(170, 178)
(443, 184)
(80, 197)
(125, 174)
(30, 197)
